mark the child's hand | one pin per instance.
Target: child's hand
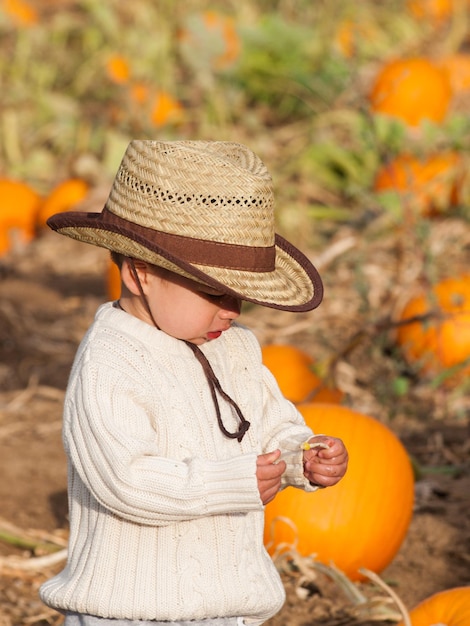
(269, 473)
(325, 466)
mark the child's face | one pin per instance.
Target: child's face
(187, 310)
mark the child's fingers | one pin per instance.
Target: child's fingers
(310, 445)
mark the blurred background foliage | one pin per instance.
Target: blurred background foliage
(82, 77)
(290, 78)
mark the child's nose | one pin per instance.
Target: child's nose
(230, 307)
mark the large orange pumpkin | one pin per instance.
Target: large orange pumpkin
(361, 521)
(412, 90)
(293, 370)
(19, 204)
(428, 186)
(450, 607)
(441, 339)
(63, 197)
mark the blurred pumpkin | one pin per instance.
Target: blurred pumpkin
(63, 197)
(345, 38)
(351, 34)
(165, 109)
(225, 25)
(20, 12)
(441, 339)
(156, 106)
(411, 90)
(430, 185)
(113, 281)
(457, 67)
(450, 607)
(139, 92)
(435, 11)
(19, 204)
(210, 39)
(363, 520)
(118, 69)
(293, 370)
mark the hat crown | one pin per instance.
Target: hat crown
(214, 191)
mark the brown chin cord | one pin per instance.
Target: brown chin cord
(214, 384)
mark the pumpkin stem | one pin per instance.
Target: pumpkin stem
(378, 581)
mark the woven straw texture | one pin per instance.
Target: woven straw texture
(217, 191)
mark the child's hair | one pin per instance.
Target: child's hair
(117, 258)
(204, 210)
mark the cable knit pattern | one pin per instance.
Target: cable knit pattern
(166, 522)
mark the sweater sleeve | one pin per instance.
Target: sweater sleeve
(113, 446)
(281, 425)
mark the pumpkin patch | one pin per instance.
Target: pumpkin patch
(360, 110)
(361, 521)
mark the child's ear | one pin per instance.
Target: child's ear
(128, 277)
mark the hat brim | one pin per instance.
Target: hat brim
(294, 284)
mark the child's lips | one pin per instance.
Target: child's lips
(214, 334)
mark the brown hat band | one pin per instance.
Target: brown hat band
(195, 251)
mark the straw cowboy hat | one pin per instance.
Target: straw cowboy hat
(205, 210)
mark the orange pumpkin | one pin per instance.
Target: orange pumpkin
(435, 11)
(450, 607)
(139, 92)
(63, 197)
(165, 109)
(345, 38)
(457, 67)
(441, 340)
(113, 281)
(429, 186)
(160, 107)
(20, 12)
(352, 34)
(19, 204)
(210, 38)
(118, 69)
(293, 370)
(225, 25)
(411, 90)
(361, 521)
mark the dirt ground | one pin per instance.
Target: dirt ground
(48, 294)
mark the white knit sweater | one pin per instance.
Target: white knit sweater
(166, 522)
